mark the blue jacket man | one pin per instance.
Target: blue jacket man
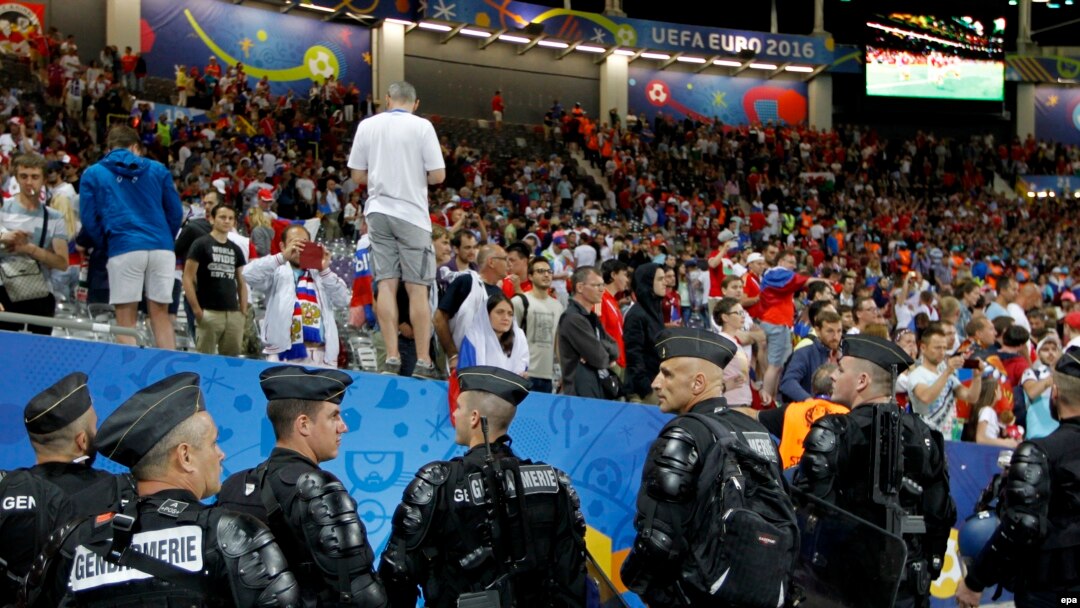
(129, 206)
(796, 383)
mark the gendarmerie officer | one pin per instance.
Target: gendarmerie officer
(62, 425)
(30, 510)
(1036, 548)
(839, 450)
(166, 548)
(691, 380)
(309, 509)
(457, 532)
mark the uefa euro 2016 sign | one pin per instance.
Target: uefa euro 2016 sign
(579, 26)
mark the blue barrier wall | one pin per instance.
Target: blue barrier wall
(396, 425)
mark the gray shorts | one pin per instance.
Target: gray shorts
(400, 250)
(136, 272)
(778, 339)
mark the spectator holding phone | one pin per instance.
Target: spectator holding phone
(302, 295)
(933, 389)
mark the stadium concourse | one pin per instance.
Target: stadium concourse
(777, 235)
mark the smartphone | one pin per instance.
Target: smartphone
(312, 256)
(972, 364)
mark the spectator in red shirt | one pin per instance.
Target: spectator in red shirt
(751, 300)
(719, 265)
(616, 279)
(213, 68)
(780, 284)
(518, 279)
(1015, 357)
(127, 65)
(497, 107)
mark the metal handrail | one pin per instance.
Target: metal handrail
(91, 326)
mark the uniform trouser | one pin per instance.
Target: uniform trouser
(220, 332)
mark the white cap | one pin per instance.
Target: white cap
(219, 185)
(754, 257)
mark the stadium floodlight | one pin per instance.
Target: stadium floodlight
(587, 48)
(660, 56)
(625, 52)
(731, 63)
(1032, 194)
(553, 44)
(399, 21)
(804, 69)
(475, 33)
(684, 59)
(514, 39)
(762, 66)
(438, 27)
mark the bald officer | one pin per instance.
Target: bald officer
(166, 548)
(62, 425)
(309, 509)
(456, 536)
(690, 383)
(839, 451)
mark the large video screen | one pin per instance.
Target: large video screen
(935, 57)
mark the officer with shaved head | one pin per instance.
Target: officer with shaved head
(690, 384)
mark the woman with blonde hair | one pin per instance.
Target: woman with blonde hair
(65, 281)
(262, 230)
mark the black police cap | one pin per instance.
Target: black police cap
(499, 382)
(147, 416)
(295, 382)
(1069, 363)
(58, 406)
(687, 342)
(879, 351)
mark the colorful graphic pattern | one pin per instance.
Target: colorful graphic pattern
(292, 51)
(396, 425)
(705, 97)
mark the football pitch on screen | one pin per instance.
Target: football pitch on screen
(978, 81)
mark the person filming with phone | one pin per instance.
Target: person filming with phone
(302, 294)
(933, 386)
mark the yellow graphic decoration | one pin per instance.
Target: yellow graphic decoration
(624, 33)
(319, 61)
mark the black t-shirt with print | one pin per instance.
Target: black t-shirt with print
(215, 280)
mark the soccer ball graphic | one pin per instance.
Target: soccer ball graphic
(657, 92)
(626, 35)
(321, 63)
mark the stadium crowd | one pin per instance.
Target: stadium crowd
(783, 238)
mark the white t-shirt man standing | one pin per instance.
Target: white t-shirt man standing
(397, 155)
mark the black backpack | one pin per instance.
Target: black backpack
(743, 538)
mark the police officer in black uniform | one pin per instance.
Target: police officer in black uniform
(166, 548)
(1035, 550)
(839, 451)
(460, 535)
(62, 425)
(691, 380)
(30, 509)
(309, 510)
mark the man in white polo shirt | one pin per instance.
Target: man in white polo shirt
(397, 155)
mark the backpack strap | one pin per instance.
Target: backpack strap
(524, 311)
